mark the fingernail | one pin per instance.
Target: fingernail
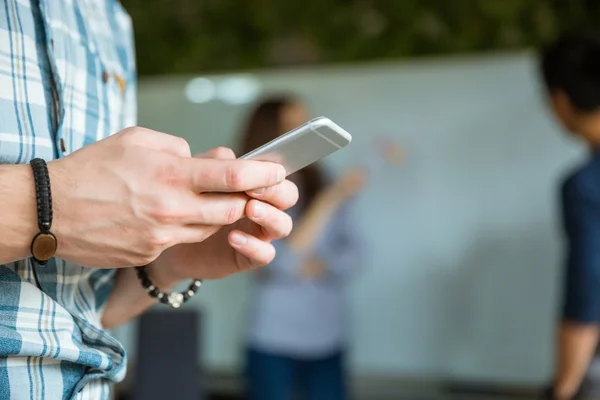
(258, 192)
(281, 174)
(259, 210)
(238, 239)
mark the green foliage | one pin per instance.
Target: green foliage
(188, 36)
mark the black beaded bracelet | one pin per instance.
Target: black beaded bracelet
(44, 243)
(173, 299)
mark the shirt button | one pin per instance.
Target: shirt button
(122, 83)
(105, 76)
(62, 145)
(52, 43)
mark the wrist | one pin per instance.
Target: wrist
(59, 199)
(19, 218)
(162, 276)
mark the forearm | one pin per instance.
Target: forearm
(17, 212)
(576, 346)
(128, 298)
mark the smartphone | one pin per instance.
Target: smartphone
(303, 146)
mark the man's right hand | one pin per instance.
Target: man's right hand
(123, 200)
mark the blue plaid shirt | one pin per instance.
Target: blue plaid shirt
(67, 79)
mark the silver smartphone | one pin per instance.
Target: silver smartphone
(303, 146)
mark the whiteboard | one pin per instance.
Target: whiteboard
(464, 251)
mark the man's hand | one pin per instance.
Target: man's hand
(239, 247)
(124, 200)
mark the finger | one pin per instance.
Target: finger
(254, 252)
(220, 153)
(176, 208)
(275, 223)
(196, 233)
(211, 209)
(158, 141)
(282, 196)
(211, 175)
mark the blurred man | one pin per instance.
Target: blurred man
(136, 198)
(571, 71)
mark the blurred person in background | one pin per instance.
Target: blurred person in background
(571, 71)
(299, 333)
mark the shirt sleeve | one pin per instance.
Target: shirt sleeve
(340, 248)
(581, 218)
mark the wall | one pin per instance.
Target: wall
(463, 243)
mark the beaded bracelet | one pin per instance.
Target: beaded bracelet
(173, 299)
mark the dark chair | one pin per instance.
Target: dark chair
(167, 357)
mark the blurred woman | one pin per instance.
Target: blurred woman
(299, 332)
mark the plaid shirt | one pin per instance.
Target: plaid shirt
(67, 79)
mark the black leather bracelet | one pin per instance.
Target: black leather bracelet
(173, 299)
(44, 244)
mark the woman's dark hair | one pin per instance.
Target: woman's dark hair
(572, 64)
(264, 125)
